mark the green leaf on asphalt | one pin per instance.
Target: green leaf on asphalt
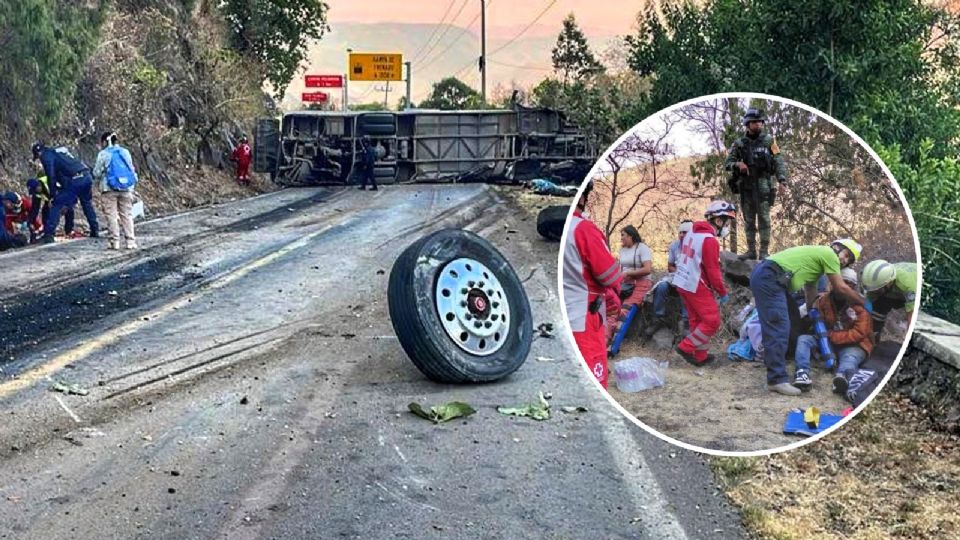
(537, 411)
(442, 413)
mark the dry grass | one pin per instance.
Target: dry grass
(886, 474)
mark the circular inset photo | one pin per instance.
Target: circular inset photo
(740, 274)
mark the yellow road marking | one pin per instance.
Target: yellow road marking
(110, 337)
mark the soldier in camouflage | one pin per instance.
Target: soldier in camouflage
(754, 161)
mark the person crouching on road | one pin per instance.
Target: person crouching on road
(17, 210)
(40, 202)
(776, 278)
(69, 180)
(850, 332)
(117, 175)
(698, 277)
(636, 261)
(589, 269)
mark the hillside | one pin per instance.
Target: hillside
(159, 73)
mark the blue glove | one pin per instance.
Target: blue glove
(723, 299)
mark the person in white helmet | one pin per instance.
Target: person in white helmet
(850, 331)
(698, 277)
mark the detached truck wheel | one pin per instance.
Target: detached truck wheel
(458, 308)
(550, 222)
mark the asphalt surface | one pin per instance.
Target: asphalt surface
(245, 382)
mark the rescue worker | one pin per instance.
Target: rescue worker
(40, 207)
(589, 269)
(850, 331)
(368, 161)
(117, 177)
(665, 285)
(698, 277)
(753, 162)
(10, 210)
(776, 278)
(242, 155)
(18, 211)
(889, 286)
(68, 180)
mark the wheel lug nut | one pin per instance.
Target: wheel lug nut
(464, 291)
(490, 292)
(477, 324)
(488, 324)
(471, 283)
(463, 303)
(468, 316)
(480, 284)
(496, 304)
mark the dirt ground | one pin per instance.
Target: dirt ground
(887, 474)
(722, 406)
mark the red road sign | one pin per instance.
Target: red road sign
(324, 81)
(315, 97)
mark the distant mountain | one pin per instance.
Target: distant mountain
(526, 61)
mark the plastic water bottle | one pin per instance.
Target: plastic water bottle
(822, 339)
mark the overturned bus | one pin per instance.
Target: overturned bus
(510, 145)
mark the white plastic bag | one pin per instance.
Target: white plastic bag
(137, 210)
(636, 374)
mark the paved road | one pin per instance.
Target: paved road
(245, 382)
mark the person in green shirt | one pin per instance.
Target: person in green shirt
(889, 286)
(776, 278)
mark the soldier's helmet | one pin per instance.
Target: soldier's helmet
(753, 114)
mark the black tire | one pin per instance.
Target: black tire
(412, 299)
(550, 222)
(377, 119)
(377, 129)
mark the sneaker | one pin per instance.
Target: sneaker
(94, 234)
(113, 244)
(803, 381)
(132, 245)
(47, 240)
(840, 384)
(786, 389)
(686, 356)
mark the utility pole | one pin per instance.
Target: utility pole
(483, 50)
(386, 96)
(408, 85)
(346, 79)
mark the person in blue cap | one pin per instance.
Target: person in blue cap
(68, 181)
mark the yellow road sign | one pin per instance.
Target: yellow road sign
(376, 67)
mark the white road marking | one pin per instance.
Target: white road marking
(64, 407)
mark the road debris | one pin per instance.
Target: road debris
(577, 409)
(442, 413)
(537, 411)
(546, 359)
(75, 437)
(545, 330)
(68, 388)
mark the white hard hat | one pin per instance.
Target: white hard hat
(686, 227)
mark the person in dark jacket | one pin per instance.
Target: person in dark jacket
(368, 162)
(69, 180)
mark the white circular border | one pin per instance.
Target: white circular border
(753, 453)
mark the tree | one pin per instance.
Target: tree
(276, 33)
(452, 94)
(840, 58)
(43, 47)
(571, 55)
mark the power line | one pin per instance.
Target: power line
(463, 31)
(435, 28)
(446, 29)
(525, 28)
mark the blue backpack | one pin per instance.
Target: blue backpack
(120, 175)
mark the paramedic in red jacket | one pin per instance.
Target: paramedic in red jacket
(17, 210)
(698, 277)
(242, 155)
(589, 270)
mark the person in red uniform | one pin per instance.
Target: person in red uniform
(242, 155)
(698, 277)
(589, 270)
(17, 210)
